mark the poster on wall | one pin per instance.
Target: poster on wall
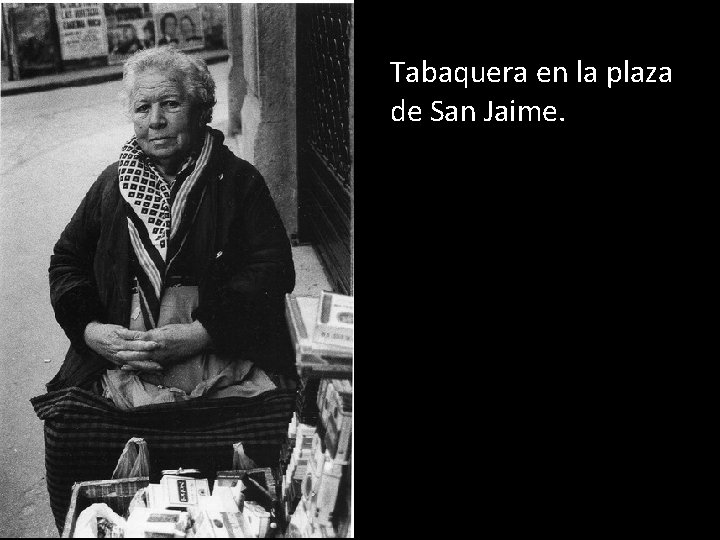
(35, 48)
(82, 30)
(179, 25)
(130, 28)
(129, 36)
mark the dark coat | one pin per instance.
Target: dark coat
(241, 254)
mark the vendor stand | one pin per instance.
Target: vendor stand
(299, 435)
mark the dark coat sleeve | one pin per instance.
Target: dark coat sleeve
(242, 307)
(73, 291)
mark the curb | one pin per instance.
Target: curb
(85, 78)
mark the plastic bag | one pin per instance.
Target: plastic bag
(139, 500)
(134, 460)
(99, 515)
(241, 462)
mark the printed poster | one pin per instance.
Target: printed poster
(179, 25)
(82, 29)
(129, 36)
(36, 49)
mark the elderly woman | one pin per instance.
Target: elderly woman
(169, 282)
(173, 269)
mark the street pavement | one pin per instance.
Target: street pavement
(53, 145)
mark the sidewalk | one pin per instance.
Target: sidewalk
(85, 76)
(310, 276)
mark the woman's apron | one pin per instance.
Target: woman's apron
(205, 374)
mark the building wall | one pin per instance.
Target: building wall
(262, 93)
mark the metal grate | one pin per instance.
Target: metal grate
(326, 42)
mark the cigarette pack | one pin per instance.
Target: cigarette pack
(222, 498)
(335, 320)
(181, 491)
(154, 496)
(257, 519)
(317, 451)
(311, 357)
(299, 521)
(300, 469)
(232, 482)
(337, 441)
(211, 523)
(313, 478)
(227, 524)
(325, 496)
(304, 438)
(339, 395)
(152, 523)
(292, 427)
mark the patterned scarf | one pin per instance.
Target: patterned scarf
(159, 216)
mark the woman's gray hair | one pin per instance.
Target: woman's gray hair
(189, 72)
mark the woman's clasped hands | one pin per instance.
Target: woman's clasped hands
(152, 350)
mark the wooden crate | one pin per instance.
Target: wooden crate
(117, 494)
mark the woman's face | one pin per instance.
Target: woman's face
(163, 118)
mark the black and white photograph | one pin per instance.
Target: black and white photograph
(179, 242)
(176, 226)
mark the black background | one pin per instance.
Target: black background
(519, 282)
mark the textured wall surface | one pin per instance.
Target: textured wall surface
(262, 90)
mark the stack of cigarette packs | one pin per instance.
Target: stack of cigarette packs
(334, 400)
(317, 475)
(300, 437)
(322, 333)
(185, 507)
